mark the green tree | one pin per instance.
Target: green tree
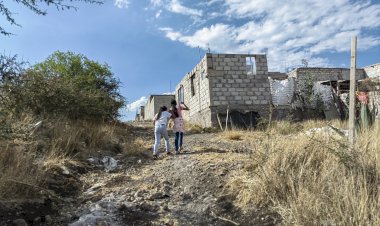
(65, 84)
(35, 6)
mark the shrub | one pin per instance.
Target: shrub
(66, 84)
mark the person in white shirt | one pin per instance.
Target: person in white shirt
(160, 122)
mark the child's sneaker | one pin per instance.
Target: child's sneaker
(155, 157)
(168, 153)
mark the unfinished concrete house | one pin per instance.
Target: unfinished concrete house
(330, 86)
(154, 103)
(140, 114)
(237, 82)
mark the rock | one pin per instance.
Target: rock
(68, 216)
(166, 183)
(48, 219)
(165, 207)
(110, 164)
(65, 170)
(168, 221)
(139, 194)
(37, 220)
(100, 222)
(186, 196)
(20, 222)
(157, 195)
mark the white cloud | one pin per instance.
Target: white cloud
(122, 3)
(169, 33)
(169, 93)
(158, 14)
(156, 2)
(176, 7)
(288, 32)
(132, 107)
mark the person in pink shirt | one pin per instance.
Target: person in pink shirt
(179, 126)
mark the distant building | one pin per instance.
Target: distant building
(154, 103)
(140, 114)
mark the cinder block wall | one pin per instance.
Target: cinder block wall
(325, 74)
(199, 100)
(231, 86)
(221, 81)
(277, 75)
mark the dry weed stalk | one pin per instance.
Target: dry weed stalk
(314, 181)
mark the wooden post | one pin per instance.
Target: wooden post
(220, 124)
(228, 109)
(351, 115)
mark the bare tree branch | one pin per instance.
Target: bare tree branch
(35, 6)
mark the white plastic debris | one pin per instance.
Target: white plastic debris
(324, 92)
(65, 170)
(327, 130)
(282, 91)
(110, 164)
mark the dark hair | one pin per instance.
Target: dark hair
(174, 109)
(163, 108)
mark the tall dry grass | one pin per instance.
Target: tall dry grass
(28, 153)
(315, 180)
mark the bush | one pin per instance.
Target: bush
(66, 84)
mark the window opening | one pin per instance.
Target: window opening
(250, 65)
(192, 78)
(181, 98)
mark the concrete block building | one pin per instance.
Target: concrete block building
(335, 83)
(153, 105)
(237, 82)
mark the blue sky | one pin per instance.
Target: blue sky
(150, 44)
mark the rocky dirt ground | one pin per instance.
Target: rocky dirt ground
(186, 189)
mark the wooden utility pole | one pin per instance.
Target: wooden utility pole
(351, 119)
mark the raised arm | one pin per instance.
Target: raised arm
(184, 107)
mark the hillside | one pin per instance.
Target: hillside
(288, 174)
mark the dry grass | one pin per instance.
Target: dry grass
(232, 134)
(193, 128)
(288, 127)
(137, 147)
(314, 181)
(18, 175)
(27, 153)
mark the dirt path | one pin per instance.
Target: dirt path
(185, 189)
